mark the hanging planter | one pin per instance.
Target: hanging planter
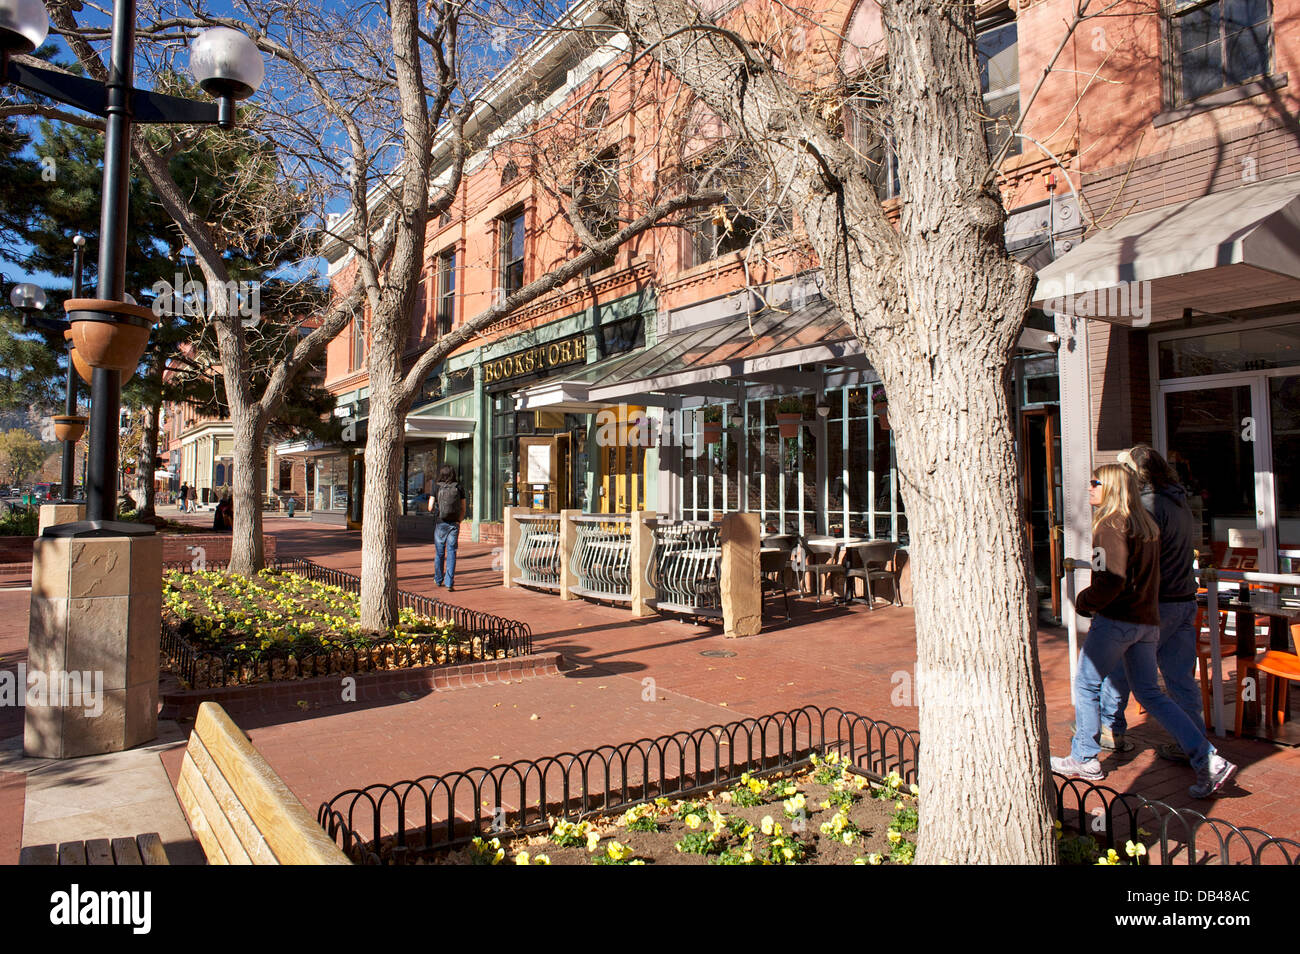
(789, 415)
(882, 413)
(711, 427)
(69, 427)
(109, 334)
(84, 371)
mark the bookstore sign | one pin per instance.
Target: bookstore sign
(537, 360)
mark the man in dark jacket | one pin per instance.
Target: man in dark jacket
(1166, 500)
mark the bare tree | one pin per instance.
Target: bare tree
(938, 306)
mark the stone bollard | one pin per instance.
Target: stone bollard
(568, 540)
(643, 549)
(57, 513)
(93, 641)
(511, 532)
(741, 583)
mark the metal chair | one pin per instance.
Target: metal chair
(772, 567)
(820, 571)
(866, 562)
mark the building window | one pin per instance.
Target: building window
(419, 311)
(597, 196)
(446, 301)
(625, 334)
(512, 252)
(358, 343)
(999, 60)
(1216, 44)
(286, 475)
(510, 173)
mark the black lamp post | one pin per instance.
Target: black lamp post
(111, 335)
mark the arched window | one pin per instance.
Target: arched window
(597, 114)
(714, 158)
(510, 173)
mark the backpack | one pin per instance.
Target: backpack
(448, 498)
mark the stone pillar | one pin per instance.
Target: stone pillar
(568, 540)
(741, 583)
(54, 514)
(511, 532)
(643, 549)
(93, 644)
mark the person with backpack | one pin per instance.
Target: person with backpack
(448, 505)
(185, 495)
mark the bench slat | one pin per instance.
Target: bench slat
(39, 855)
(72, 853)
(217, 817)
(199, 824)
(289, 829)
(125, 852)
(99, 852)
(151, 849)
(249, 842)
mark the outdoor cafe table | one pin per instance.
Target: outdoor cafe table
(1281, 613)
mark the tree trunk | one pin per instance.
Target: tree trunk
(983, 777)
(384, 441)
(246, 556)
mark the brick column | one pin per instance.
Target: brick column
(511, 531)
(741, 584)
(643, 548)
(568, 540)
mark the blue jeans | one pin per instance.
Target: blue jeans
(1176, 657)
(1109, 645)
(445, 536)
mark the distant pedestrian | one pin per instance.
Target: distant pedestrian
(185, 496)
(448, 504)
(223, 517)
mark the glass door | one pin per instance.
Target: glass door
(1216, 437)
(1284, 440)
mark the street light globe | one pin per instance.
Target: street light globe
(27, 297)
(23, 25)
(225, 62)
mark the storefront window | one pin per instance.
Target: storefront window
(332, 484)
(422, 465)
(1245, 349)
(502, 454)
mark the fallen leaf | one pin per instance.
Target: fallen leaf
(496, 758)
(722, 703)
(533, 717)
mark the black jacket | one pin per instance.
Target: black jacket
(1179, 535)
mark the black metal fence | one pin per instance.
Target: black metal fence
(399, 823)
(477, 636)
(1181, 836)
(394, 824)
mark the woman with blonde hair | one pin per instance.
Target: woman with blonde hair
(1123, 601)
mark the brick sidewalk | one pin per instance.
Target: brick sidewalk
(826, 656)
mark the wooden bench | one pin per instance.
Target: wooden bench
(140, 850)
(241, 812)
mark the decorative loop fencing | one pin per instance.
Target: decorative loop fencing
(476, 636)
(538, 553)
(602, 556)
(393, 824)
(1177, 836)
(685, 570)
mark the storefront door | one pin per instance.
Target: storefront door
(1041, 485)
(356, 489)
(1217, 437)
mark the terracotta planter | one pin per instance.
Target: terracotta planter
(788, 424)
(109, 334)
(882, 412)
(84, 371)
(69, 427)
(712, 432)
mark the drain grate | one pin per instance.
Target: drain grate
(717, 653)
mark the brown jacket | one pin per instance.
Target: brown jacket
(1126, 581)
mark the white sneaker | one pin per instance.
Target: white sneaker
(1211, 776)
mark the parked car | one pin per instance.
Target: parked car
(45, 492)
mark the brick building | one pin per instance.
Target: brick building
(1161, 148)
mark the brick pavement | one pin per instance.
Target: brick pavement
(826, 656)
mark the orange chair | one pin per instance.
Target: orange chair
(1204, 660)
(1281, 668)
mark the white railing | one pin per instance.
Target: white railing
(538, 555)
(602, 556)
(685, 570)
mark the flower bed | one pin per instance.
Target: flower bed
(225, 630)
(826, 814)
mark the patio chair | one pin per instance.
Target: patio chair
(866, 562)
(1281, 668)
(820, 571)
(773, 567)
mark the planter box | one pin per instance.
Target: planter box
(16, 549)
